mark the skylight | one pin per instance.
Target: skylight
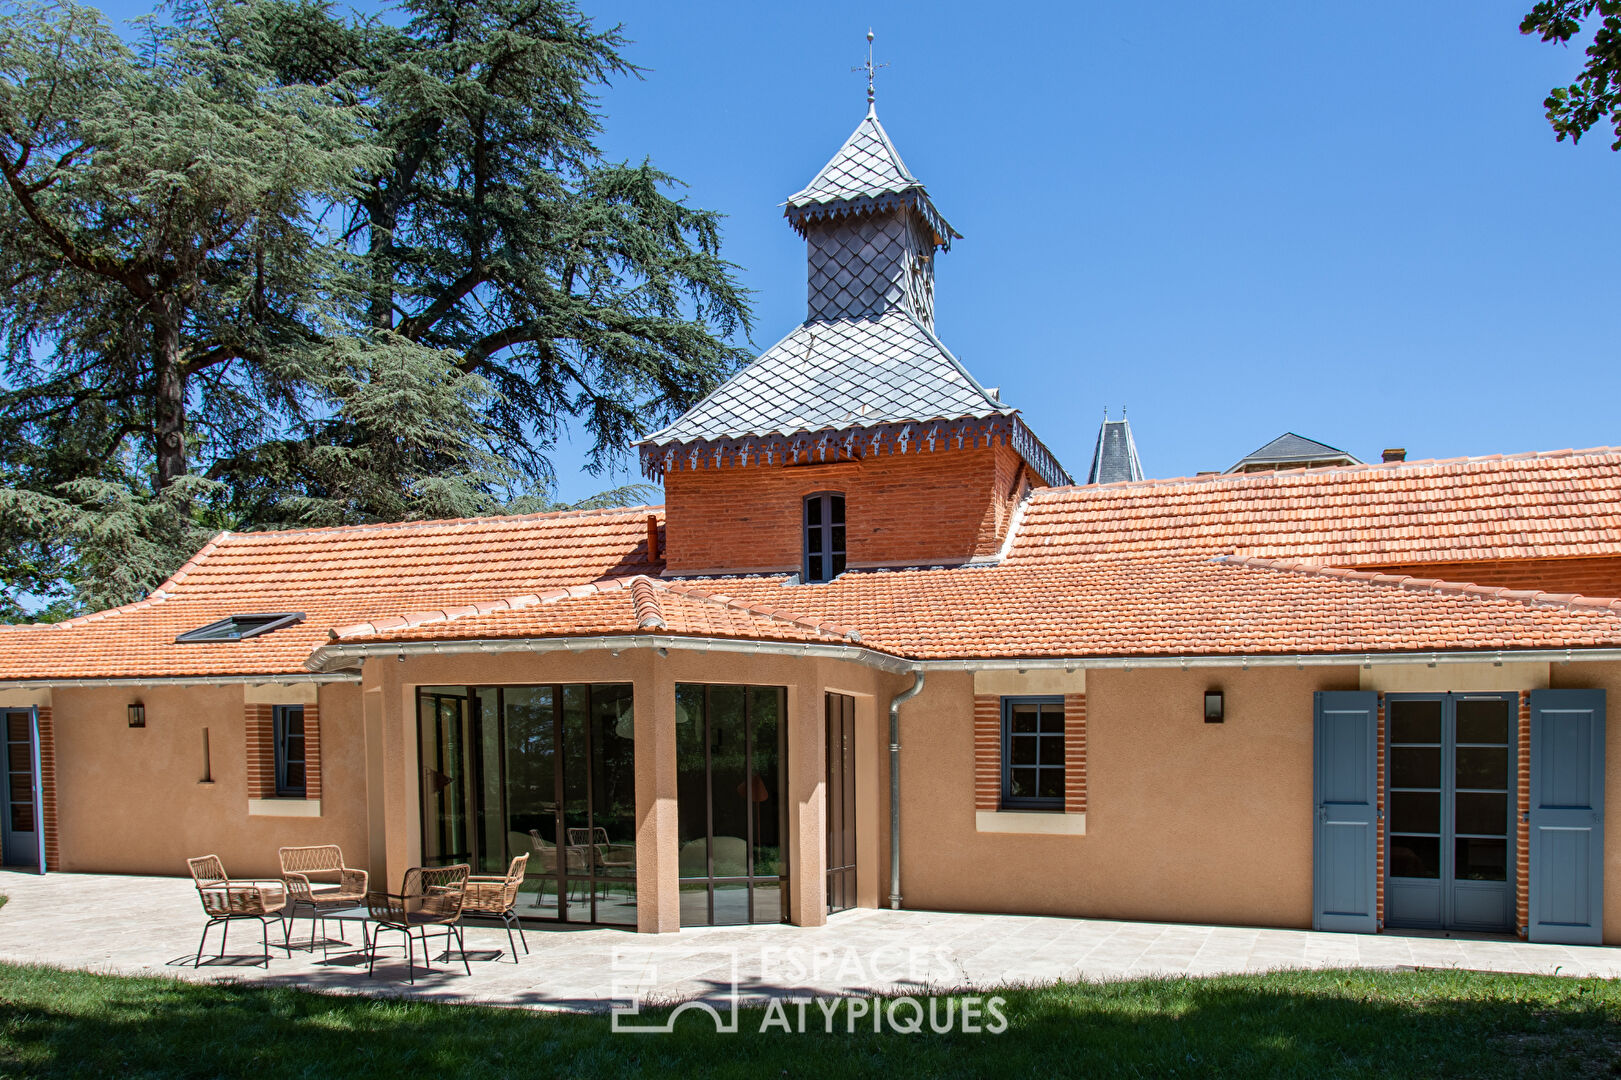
(241, 627)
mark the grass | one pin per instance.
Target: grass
(1306, 1024)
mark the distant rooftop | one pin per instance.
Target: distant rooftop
(1291, 451)
(1115, 458)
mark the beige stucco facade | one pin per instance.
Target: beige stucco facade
(134, 800)
(1183, 820)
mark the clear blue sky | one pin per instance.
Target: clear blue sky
(1347, 220)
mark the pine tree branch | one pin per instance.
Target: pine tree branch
(91, 262)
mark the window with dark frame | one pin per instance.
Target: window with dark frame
(240, 627)
(289, 734)
(824, 536)
(1033, 753)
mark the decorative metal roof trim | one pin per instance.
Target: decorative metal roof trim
(844, 444)
(915, 198)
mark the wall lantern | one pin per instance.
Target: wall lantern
(1213, 711)
(137, 714)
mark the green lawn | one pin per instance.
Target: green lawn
(1319, 1024)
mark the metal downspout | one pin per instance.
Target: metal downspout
(895, 785)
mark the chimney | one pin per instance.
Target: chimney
(1396, 453)
(652, 538)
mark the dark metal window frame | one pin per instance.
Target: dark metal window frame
(1017, 802)
(219, 630)
(562, 909)
(279, 715)
(750, 879)
(823, 499)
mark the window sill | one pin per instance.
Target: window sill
(284, 807)
(1035, 822)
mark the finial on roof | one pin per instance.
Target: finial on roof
(869, 67)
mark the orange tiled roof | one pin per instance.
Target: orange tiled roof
(335, 577)
(1561, 504)
(608, 606)
(1204, 566)
(1147, 606)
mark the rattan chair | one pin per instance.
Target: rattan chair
(575, 865)
(429, 896)
(318, 881)
(225, 900)
(497, 898)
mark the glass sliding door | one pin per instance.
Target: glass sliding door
(730, 765)
(547, 770)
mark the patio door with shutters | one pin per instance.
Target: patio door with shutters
(1345, 783)
(1450, 828)
(841, 802)
(1567, 816)
(20, 839)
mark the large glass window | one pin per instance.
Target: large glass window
(1033, 753)
(730, 767)
(288, 726)
(824, 536)
(547, 770)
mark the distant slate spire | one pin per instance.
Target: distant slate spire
(870, 231)
(1115, 459)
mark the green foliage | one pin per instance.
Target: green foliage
(1595, 96)
(343, 270)
(1307, 1024)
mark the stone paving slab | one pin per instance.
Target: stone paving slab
(150, 925)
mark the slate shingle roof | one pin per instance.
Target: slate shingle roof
(1114, 460)
(866, 171)
(1289, 447)
(838, 373)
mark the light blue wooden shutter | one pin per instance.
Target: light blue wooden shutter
(1345, 786)
(1567, 816)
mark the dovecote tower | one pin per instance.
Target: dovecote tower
(858, 440)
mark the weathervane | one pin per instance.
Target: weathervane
(869, 67)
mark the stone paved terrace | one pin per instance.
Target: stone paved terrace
(150, 926)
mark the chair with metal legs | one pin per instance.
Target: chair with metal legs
(429, 896)
(318, 881)
(225, 900)
(497, 898)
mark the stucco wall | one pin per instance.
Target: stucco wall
(130, 800)
(390, 688)
(1185, 821)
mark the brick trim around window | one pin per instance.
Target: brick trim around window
(259, 722)
(1074, 753)
(47, 786)
(988, 752)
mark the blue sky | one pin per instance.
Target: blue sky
(1347, 220)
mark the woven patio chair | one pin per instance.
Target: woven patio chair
(225, 900)
(318, 881)
(429, 896)
(575, 865)
(497, 898)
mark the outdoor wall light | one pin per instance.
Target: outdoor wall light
(137, 714)
(1213, 708)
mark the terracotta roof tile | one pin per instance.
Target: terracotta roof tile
(1559, 504)
(336, 577)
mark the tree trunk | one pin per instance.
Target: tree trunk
(169, 392)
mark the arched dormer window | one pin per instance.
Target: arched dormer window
(824, 536)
